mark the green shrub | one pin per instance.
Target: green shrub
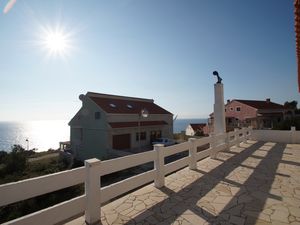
(3, 154)
(287, 124)
(16, 160)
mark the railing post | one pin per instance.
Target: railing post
(193, 154)
(92, 191)
(236, 137)
(248, 136)
(213, 145)
(293, 135)
(159, 163)
(250, 129)
(244, 135)
(227, 141)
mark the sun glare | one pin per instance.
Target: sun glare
(56, 42)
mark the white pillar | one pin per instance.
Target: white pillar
(293, 135)
(227, 141)
(219, 110)
(250, 130)
(236, 137)
(244, 135)
(213, 145)
(92, 191)
(159, 164)
(192, 154)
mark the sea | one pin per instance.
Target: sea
(43, 135)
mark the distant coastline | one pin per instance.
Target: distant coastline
(41, 135)
(46, 134)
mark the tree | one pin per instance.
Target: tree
(16, 160)
(291, 105)
(199, 133)
(3, 154)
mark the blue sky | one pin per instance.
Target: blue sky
(165, 50)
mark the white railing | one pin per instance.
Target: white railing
(90, 203)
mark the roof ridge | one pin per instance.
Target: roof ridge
(255, 101)
(249, 100)
(102, 95)
(260, 104)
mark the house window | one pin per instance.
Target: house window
(142, 135)
(155, 134)
(112, 105)
(231, 108)
(97, 115)
(129, 106)
(238, 109)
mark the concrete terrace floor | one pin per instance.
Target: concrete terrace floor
(256, 183)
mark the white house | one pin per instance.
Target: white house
(116, 122)
(194, 128)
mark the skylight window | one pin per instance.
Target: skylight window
(112, 105)
(129, 106)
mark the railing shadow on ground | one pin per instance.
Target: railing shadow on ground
(186, 199)
(258, 186)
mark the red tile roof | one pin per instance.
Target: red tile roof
(297, 30)
(197, 126)
(260, 104)
(136, 124)
(125, 105)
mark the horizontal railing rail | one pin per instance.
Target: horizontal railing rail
(54, 215)
(175, 149)
(95, 195)
(203, 154)
(33, 187)
(122, 163)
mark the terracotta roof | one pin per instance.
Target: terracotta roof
(125, 105)
(297, 31)
(260, 104)
(135, 124)
(197, 126)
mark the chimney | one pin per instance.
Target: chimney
(228, 101)
(268, 100)
(81, 97)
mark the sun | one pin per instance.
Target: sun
(56, 41)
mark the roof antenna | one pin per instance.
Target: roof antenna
(174, 119)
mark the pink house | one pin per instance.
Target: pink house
(255, 113)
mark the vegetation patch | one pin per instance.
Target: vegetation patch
(19, 165)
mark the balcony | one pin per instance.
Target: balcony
(239, 179)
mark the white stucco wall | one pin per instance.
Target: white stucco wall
(93, 142)
(189, 131)
(282, 136)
